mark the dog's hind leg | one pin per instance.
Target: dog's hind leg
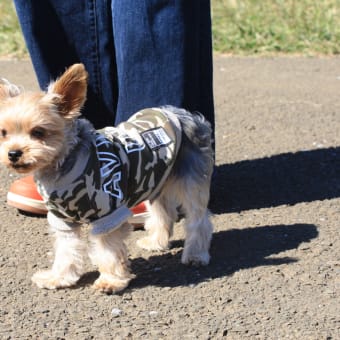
(197, 240)
(198, 227)
(159, 225)
(109, 253)
(68, 262)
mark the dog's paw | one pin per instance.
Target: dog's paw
(107, 283)
(151, 244)
(50, 280)
(199, 259)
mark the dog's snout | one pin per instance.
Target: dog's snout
(14, 155)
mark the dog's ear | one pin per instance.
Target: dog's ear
(7, 89)
(70, 89)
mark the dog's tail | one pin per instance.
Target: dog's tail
(194, 126)
(196, 153)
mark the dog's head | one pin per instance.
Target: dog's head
(36, 128)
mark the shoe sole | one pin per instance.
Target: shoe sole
(138, 220)
(26, 204)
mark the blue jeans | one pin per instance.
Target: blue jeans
(138, 53)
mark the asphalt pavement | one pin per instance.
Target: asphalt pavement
(275, 204)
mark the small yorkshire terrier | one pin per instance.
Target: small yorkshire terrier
(90, 177)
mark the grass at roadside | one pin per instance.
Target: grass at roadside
(11, 41)
(271, 26)
(244, 27)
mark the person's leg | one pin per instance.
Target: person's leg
(163, 52)
(163, 55)
(61, 33)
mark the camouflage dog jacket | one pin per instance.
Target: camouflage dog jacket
(120, 167)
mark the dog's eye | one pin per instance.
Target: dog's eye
(38, 133)
(3, 133)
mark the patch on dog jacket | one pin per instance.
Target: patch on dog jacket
(124, 166)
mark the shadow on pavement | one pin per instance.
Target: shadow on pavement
(231, 251)
(288, 178)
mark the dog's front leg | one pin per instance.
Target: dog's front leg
(68, 261)
(109, 254)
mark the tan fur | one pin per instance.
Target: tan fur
(71, 88)
(20, 117)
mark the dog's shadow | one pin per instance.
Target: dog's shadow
(231, 251)
(288, 178)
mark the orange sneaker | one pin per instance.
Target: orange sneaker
(24, 196)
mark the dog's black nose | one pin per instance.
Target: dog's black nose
(14, 155)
